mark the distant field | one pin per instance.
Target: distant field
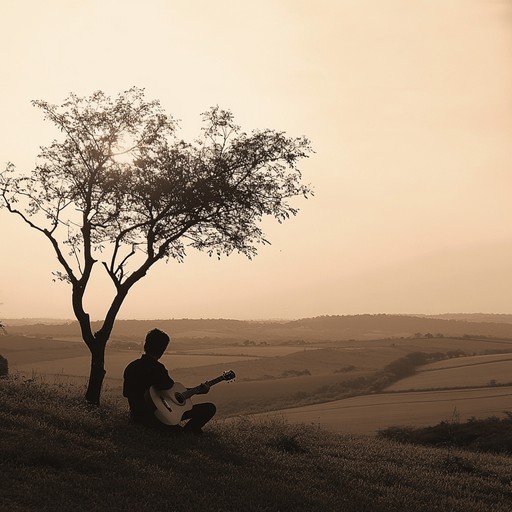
(265, 375)
(472, 371)
(367, 414)
(337, 363)
(257, 351)
(116, 363)
(456, 362)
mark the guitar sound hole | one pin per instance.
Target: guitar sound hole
(179, 398)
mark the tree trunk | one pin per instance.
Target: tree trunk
(97, 374)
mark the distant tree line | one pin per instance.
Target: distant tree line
(393, 372)
(428, 335)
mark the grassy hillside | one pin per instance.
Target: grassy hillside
(56, 454)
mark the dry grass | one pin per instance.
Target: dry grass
(59, 455)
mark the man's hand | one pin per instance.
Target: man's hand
(203, 388)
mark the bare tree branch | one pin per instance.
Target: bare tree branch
(163, 197)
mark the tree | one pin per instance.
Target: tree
(120, 188)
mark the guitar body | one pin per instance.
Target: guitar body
(170, 403)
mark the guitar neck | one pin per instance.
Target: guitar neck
(218, 379)
(194, 391)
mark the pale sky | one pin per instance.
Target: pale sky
(408, 104)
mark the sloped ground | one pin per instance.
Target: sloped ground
(57, 454)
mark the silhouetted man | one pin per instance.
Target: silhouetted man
(147, 371)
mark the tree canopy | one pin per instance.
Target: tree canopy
(121, 188)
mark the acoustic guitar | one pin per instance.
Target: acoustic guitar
(170, 404)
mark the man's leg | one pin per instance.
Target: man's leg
(198, 417)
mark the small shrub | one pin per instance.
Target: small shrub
(493, 434)
(295, 373)
(345, 369)
(4, 367)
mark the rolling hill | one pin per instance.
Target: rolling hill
(316, 329)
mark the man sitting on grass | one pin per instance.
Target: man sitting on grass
(147, 371)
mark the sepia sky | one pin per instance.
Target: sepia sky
(408, 104)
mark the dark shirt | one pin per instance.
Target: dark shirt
(139, 376)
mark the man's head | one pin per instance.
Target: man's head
(156, 343)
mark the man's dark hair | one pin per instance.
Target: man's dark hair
(156, 342)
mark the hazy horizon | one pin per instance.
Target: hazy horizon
(408, 105)
(51, 320)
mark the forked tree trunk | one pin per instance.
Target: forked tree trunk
(97, 374)
(97, 342)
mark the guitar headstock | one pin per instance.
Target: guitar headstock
(228, 375)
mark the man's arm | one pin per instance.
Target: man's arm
(161, 378)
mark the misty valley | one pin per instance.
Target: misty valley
(348, 374)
